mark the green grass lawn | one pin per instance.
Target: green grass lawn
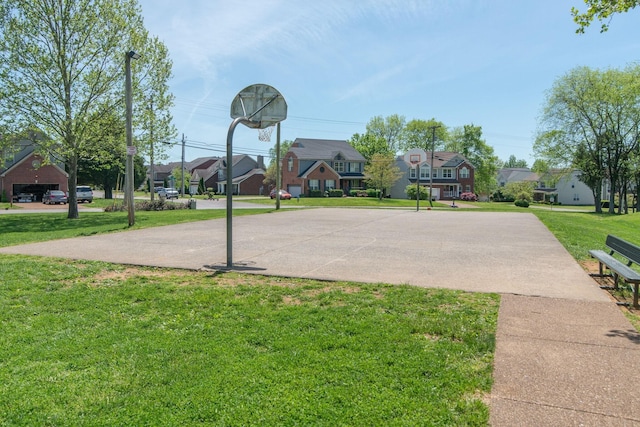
(87, 343)
(26, 228)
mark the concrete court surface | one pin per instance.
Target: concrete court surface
(565, 354)
(474, 251)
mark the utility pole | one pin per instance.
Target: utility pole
(152, 184)
(131, 149)
(433, 147)
(182, 169)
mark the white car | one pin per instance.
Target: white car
(168, 193)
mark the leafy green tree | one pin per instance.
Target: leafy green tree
(270, 173)
(601, 10)
(62, 66)
(420, 134)
(592, 118)
(369, 145)
(177, 173)
(513, 162)
(382, 172)
(522, 190)
(389, 128)
(468, 141)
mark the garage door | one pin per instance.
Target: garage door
(295, 190)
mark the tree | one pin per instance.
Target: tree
(152, 91)
(468, 141)
(522, 190)
(369, 145)
(62, 69)
(420, 134)
(515, 163)
(389, 128)
(601, 10)
(177, 174)
(270, 173)
(592, 118)
(382, 172)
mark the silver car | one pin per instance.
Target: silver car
(84, 194)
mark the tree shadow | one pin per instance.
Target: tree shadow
(630, 334)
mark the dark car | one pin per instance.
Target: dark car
(283, 195)
(84, 194)
(54, 197)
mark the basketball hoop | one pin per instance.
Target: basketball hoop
(264, 135)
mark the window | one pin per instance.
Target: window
(412, 173)
(354, 167)
(329, 184)
(447, 173)
(467, 188)
(290, 164)
(314, 184)
(338, 167)
(424, 172)
(464, 172)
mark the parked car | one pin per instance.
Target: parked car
(84, 194)
(54, 197)
(168, 193)
(283, 195)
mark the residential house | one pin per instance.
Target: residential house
(565, 187)
(451, 175)
(248, 176)
(162, 173)
(321, 165)
(24, 172)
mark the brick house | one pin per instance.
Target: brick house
(452, 175)
(248, 176)
(321, 165)
(24, 172)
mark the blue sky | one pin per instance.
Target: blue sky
(338, 63)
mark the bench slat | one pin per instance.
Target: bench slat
(619, 269)
(624, 248)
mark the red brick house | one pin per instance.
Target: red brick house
(321, 165)
(23, 172)
(452, 175)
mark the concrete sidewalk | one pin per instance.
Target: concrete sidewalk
(565, 354)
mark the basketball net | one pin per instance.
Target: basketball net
(264, 135)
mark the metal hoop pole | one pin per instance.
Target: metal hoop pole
(229, 174)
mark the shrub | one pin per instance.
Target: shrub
(469, 197)
(147, 205)
(336, 192)
(373, 192)
(411, 191)
(499, 196)
(522, 203)
(358, 193)
(315, 193)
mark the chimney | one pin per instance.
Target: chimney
(261, 162)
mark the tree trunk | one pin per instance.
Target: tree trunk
(597, 196)
(73, 183)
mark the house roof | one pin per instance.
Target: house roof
(315, 166)
(443, 159)
(324, 149)
(247, 175)
(518, 175)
